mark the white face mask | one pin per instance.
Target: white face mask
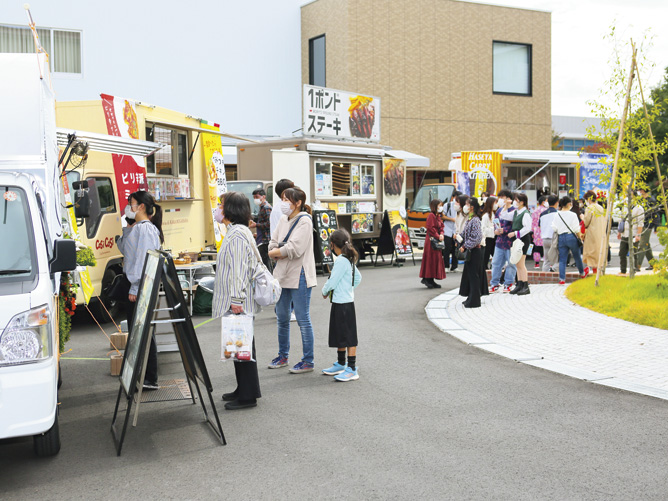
(483, 200)
(440, 208)
(495, 206)
(287, 208)
(457, 207)
(501, 202)
(515, 204)
(257, 201)
(466, 209)
(546, 205)
(128, 212)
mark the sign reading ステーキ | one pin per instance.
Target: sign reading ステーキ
(331, 113)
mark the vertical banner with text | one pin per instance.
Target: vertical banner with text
(215, 168)
(394, 184)
(130, 170)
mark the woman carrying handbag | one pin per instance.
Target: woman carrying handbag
(432, 260)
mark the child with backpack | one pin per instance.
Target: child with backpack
(342, 321)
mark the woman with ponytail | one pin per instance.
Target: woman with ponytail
(137, 240)
(342, 321)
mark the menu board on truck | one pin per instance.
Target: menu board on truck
(325, 224)
(362, 223)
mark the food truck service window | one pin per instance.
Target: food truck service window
(172, 160)
(337, 179)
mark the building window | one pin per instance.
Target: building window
(512, 68)
(172, 160)
(316, 61)
(63, 46)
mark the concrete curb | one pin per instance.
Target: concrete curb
(437, 313)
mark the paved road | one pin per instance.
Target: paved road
(429, 418)
(563, 337)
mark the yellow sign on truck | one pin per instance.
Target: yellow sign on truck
(177, 175)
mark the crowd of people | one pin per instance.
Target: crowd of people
(497, 232)
(501, 232)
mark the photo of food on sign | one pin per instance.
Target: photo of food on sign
(362, 116)
(324, 218)
(130, 119)
(393, 177)
(402, 240)
(324, 235)
(326, 251)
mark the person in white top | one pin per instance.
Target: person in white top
(567, 225)
(638, 219)
(521, 229)
(488, 227)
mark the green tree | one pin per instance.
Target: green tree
(636, 162)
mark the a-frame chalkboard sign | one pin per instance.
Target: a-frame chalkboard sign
(159, 269)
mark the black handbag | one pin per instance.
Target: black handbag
(436, 244)
(119, 289)
(464, 254)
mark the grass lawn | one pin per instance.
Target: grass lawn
(643, 300)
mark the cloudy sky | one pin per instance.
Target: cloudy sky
(580, 53)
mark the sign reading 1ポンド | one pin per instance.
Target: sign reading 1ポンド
(331, 113)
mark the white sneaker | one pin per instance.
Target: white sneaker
(293, 318)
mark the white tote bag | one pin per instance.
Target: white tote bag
(266, 288)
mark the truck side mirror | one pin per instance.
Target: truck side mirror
(81, 199)
(64, 255)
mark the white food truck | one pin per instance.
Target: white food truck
(34, 250)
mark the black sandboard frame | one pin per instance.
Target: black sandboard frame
(136, 354)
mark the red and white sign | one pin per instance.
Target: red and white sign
(562, 179)
(130, 170)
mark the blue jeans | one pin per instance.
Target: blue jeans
(301, 299)
(501, 257)
(568, 242)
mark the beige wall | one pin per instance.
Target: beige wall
(430, 62)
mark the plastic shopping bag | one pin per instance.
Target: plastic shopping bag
(237, 338)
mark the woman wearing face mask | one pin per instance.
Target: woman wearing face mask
(474, 277)
(233, 291)
(535, 228)
(432, 266)
(594, 222)
(291, 247)
(137, 240)
(487, 223)
(521, 229)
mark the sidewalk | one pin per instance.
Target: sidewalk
(546, 330)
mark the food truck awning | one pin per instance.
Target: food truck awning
(413, 160)
(344, 149)
(536, 156)
(198, 129)
(109, 144)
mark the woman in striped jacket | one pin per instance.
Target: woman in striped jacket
(474, 276)
(233, 290)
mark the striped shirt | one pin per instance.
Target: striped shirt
(235, 270)
(136, 241)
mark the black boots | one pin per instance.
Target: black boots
(429, 282)
(521, 289)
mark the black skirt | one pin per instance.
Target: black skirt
(526, 240)
(342, 326)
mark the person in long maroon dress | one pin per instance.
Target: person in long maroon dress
(432, 260)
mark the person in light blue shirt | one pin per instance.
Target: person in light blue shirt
(340, 288)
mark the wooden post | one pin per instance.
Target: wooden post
(651, 137)
(602, 256)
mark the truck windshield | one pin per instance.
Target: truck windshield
(427, 193)
(17, 259)
(247, 188)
